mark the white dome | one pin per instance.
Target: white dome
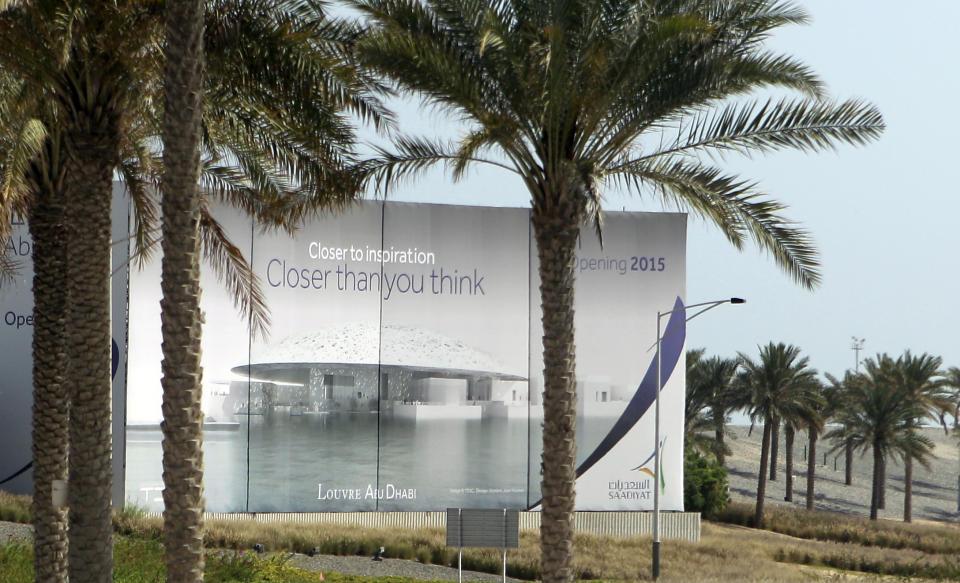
(369, 343)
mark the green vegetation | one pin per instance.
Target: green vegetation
(141, 561)
(17, 561)
(710, 397)
(704, 484)
(778, 387)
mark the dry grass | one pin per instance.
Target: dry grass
(15, 507)
(808, 547)
(726, 552)
(928, 537)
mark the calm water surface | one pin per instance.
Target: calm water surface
(350, 461)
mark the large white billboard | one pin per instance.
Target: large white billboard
(403, 367)
(16, 338)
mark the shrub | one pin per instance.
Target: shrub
(704, 484)
(15, 508)
(16, 562)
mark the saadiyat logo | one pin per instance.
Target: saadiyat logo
(642, 468)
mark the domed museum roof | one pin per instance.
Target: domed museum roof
(367, 343)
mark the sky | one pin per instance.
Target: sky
(883, 216)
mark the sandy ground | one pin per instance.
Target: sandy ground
(934, 488)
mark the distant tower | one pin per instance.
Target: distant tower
(857, 346)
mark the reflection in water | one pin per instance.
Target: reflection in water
(332, 462)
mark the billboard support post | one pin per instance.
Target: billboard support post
(459, 545)
(656, 423)
(506, 534)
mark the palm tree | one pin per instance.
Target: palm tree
(780, 385)
(97, 70)
(951, 379)
(709, 400)
(723, 371)
(909, 447)
(814, 425)
(880, 416)
(836, 396)
(93, 90)
(774, 446)
(299, 159)
(919, 378)
(697, 394)
(180, 284)
(812, 422)
(50, 402)
(807, 417)
(32, 161)
(572, 96)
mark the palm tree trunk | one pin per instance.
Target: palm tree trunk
(556, 229)
(908, 489)
(50, 401)
(774, 448)
(811, 466)
(762, 477)
(181, 318)
(882, 494)
(721, 446)
(90, 166)
(877, 473)
(788, 463)
(848, 463)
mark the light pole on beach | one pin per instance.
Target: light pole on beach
(656, 420)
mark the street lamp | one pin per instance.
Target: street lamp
(857, 346)
(656, 421)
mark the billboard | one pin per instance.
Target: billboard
(403, 370)
(16, 338)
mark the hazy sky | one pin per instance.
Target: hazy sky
(883, 216)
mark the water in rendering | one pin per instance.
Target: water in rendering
(350, 461)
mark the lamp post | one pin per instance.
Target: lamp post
(857, 346)
(656, 421)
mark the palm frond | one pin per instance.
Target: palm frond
(10, 268)
(733, 205)
(233, 270)
(573, 95)
(760, 127)
(146, 214)
(17, 153)
(414, 156)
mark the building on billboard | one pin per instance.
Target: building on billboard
(361, 366)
